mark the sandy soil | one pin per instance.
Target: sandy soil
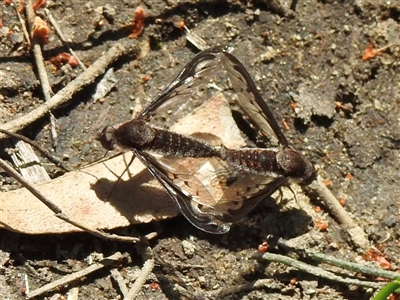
(346, 120)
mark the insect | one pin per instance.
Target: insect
(140, 137)
(254, 173)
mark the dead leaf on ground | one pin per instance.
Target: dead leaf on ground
(84, 195)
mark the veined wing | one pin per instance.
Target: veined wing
(244, 193)
(194, 75)
(192, 197)
(211, 204)
(250, 99)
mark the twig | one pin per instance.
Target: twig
(44, 152)
(150, 235)
(116, 275)
(37, 52)
(317, 271)
(356, 267)
(62, 38)
(43, 78)
(24, 158)
(24, 29)
(333, 204)
(147, 255)
(356, 233)
(352, 266)
(72, 277)
(64, 95)
(58, 212)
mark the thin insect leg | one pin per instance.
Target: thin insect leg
(120, 177)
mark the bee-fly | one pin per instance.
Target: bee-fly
(257, 172)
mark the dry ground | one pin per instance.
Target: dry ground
(349, 124)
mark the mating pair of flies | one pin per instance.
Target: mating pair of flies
(254, 173)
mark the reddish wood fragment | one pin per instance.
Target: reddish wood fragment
(41, 30)
(62, 59)
(137, 23)
(263, 247)
(349, 176)
(39, 4)
(146, 78)
(327, 182)
(370, 52)
(375, 255)
(321, 225)
(180, 24)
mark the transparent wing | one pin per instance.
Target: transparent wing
(192, 197)
(200, 70)
(244, 193)
(193, 76)
(250, 99)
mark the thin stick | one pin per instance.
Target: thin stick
(44, 152)
(332, 203)
(24, 158)
(37, 52)
(62, 38)
(147, 255)
(58, 212)
(64, 95)
(24, 29)
(319, 272)
(74, 276)
(344, 264)
(340, 214)
(42, 73)
(368, 270)
(116, 275)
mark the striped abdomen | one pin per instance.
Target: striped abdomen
(251, 160)
(139, 135)
(285, 162)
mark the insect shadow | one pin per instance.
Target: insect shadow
(135, 196)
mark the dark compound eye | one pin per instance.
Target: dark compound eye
(107, 138)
